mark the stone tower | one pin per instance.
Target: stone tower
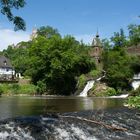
(96, 49)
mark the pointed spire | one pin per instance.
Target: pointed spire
(97, 33)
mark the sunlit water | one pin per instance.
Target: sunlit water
(30, 120)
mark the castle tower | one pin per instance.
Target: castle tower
(34, 33)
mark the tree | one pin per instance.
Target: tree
(57, 62)
(19, 57)
(134, 34)
(6, 9)
(119, 39)
(119, 68)
(47, 31)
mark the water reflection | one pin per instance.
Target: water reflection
(25, 106)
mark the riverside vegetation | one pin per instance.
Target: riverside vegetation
(62, 65)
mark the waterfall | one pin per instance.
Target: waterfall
(88, 86)
(136, 81)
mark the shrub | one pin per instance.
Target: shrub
(81, 81)
(27, 89)
(94, 73)
(41, 87)
(134, 101)
(111, 91)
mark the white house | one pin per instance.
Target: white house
(7, 71)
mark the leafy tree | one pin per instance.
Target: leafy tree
(57, 62)
(6, 9)
(119, 39)
(19, 57)
(47, 31)
(118, 67)
(134, 34)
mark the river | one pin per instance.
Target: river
(37, 118)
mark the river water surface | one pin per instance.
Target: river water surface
(63, 118)
(29, 106)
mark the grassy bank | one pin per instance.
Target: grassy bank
(15, 89)
(134, 98)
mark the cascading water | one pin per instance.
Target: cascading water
(68, 126)
(88, 86)
(136, 81)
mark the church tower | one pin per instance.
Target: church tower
(96, 49)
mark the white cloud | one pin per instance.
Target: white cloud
(86, 38)
(8, 37)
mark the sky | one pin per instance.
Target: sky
(80, 18)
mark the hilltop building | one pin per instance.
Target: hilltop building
(34, 33)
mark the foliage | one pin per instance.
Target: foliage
(47, 31)
(19, 57)
(134, 101)
(41, 87)
(101, 90)
(81, 81)
(94, 73)
(111, 92)
(6, 9)
(28, 89)
(134, 34)
(118, 67)
(58, 61)
(135, 92)
(119, 39)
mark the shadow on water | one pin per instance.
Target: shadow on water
(26, 106)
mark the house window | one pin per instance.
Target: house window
(7, 70)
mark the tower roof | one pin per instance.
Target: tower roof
(96, 41)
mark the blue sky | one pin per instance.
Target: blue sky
(79, 18)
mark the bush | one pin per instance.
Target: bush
(94, 73)
(17, 89)
(135, 92)
(41, 87)
(134, 102)
(81, 81)
(1, 90)
(27, 89)
(111, 92)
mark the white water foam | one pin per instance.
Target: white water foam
(72, 133)
(136, 81)
(88, 86)
(81, 134)
(11, 133)
(120, 96)
(135, 84)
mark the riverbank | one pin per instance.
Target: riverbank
(17, 89)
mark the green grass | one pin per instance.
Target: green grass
(134, 102)
(12, 89)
